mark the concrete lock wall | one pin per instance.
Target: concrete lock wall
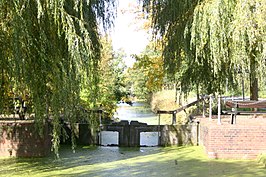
(84, 133)
(20, 139)
(129, 134)
(179, 135)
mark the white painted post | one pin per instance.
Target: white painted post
(101, 126)
(159, 133)
(210, 108)
(219, 110)
(204, 109)
(100, 117)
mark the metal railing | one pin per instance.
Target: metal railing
(221, 100)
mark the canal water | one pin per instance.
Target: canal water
(140, 112)
(114, 161)
(147, 160)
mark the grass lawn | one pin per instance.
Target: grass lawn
(114, 161)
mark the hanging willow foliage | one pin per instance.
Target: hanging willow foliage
(48, 50)
(169, 20)
(209, 41)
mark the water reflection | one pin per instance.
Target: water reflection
(139, 111)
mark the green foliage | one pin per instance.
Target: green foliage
(137, 82)
(119, 71)
(208, 42)
(262, 159)
(48, 50)
(111, 73)
(147, 74)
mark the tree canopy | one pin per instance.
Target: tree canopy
(49, 50)
(111, 77)
(147, 73)
(208, 42)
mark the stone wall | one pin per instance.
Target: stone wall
(20, 139)
(245, 140)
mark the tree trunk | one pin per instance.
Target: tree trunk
(254, 89)
(198, 98)
(253, 77)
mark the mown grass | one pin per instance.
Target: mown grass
(114, 161)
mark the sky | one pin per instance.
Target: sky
(127, 34)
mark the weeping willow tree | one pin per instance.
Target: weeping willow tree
(49, 51)
(208, 41)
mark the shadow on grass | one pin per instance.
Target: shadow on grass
(114, 161)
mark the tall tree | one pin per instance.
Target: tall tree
(207, 41)
(111, 82)
(48, 50)
(149, 70)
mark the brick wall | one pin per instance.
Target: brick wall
(20, 139)
(245, 140)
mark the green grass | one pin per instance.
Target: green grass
(114, 161)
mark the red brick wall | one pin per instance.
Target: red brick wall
(20, 139)
(239, 141)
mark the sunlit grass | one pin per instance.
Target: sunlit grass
(114, 161)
